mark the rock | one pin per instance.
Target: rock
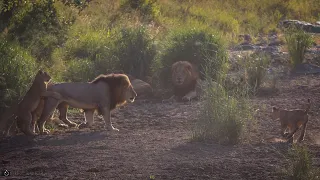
(245, 47)
(308, 27)
(306, 68)
(142, 88)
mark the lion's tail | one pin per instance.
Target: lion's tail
(308, 106)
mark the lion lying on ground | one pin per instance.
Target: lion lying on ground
(26, 111)
(104, 94)
(292, 120)
(186, 81)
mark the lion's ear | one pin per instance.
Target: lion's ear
(40, 71)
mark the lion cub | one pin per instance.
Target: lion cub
(292, 119)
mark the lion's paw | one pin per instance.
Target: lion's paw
(63, 125)
(186, 98)
(111, 128)
(73, 125)
(83, 125)
(44, 133)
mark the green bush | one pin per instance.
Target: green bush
(17, 69)
(298, 42)
(197, 46)
(86, 55)
(148, 8)
(37, 27)
(128, 49)
(135, 51)
(80, 71)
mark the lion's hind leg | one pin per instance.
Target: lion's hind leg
(48, 109)
(304, 128)
(293, 130)
(24, 123)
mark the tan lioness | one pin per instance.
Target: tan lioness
(25, 110)
(292, 120)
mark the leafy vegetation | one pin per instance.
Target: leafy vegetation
(74, 40)
(17, 67)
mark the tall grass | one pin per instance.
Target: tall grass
(300, 165)
(225, 115)
(298, 41)
(255, 66)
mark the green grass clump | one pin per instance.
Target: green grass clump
(17, 69)
(256, 66)
(300, 165)
(223, 117)
(298, 41)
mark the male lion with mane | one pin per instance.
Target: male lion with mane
(104, 93)
(185, 80)
(292, 120)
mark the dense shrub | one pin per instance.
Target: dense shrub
(128, 49)
(196, 46)
(135, 51)
(17, 69)
(36, 26)
(148, 8)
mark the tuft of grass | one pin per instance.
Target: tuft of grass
(298, 41)
(225, 115)
(256, 67)
(300, 165)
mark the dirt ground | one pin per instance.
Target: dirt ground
(154, 141)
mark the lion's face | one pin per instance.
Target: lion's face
(129, 93)
(275, 113)
(181, 73)
(43, 75)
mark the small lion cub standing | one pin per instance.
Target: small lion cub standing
(292, 119)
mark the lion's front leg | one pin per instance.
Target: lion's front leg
(88, 115)
(191, 95)
(107, 119)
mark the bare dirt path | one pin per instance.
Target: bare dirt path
(155, 141)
